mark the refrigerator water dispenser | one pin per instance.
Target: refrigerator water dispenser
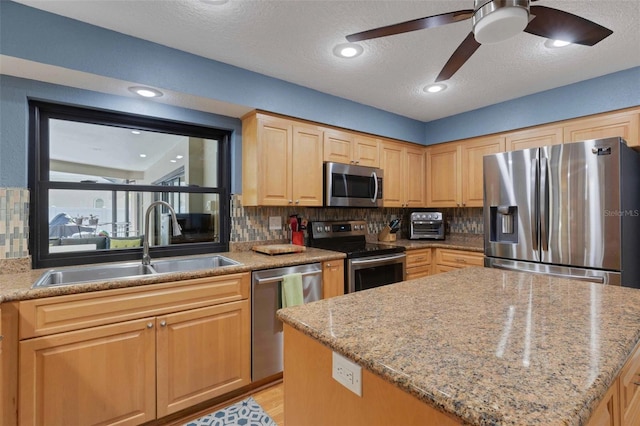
(504, 224)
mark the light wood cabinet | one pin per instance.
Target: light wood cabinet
(282, 162)
(608, 411)
(351, 148)
(448, 259)
(443, 175)
(630, 390)
(472, 176)
(623, 124)
(332, 278)
(418, 263)
(534, 138)
(130, 355)
(455, 175)
(404, 174)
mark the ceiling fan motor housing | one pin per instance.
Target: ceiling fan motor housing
(498, 20)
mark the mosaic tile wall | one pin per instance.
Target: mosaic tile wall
(252, 223)
(14, 223)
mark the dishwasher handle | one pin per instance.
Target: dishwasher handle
(279, 278)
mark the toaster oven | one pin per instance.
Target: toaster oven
(426, 225)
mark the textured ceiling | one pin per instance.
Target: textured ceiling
(293, 40)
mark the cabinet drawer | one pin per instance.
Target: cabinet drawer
(418, 272)
(418, 258)
(40, 317)
(459, 258)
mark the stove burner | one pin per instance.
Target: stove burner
(348, 237)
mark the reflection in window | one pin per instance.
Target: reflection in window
(99, 177)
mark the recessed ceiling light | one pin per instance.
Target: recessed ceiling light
(179, 157)
(173, 161)
(556, 43)
(435, 88)
(135, 132)
(146, 92)
(143, 155)
(348, 50)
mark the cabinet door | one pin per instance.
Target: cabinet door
(625, 125)
(415, 177)
(100, 375)
(275, 138)
(630, 391)
(332, 278)
(202, 353)
(534, 138)
(443, 176)
(307, 166)
(472, 173)
(337, 146)
(607, 412)
(391, 163)
(366, 151)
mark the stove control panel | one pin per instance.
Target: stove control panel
(331, 229)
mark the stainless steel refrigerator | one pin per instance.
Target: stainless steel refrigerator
(570, 210)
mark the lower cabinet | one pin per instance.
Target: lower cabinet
(448, 260)
(173, 356)
(630, 390)
(418, 263)
(332, 278)
(607, 412)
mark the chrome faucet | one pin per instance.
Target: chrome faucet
(146, 259)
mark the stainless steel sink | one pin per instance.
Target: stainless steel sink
(57, 277)
(66, 276)
(192, 264)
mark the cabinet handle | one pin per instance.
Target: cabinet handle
(636, 383)
(163, 323)
(1, 337)
(458, 204)
(328, 265)
(149, 325)
(297, 201)
(357, 162)
(290, 201)
(464, 204)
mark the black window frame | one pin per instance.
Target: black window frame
(41, 112)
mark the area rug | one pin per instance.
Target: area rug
(244, 413)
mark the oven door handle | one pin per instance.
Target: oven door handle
(377, 259)
(375, 187)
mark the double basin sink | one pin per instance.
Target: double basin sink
(58, 277)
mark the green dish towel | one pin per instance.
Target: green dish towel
(292, 290)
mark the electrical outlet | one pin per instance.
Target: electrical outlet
(347, 373)
(275, 223)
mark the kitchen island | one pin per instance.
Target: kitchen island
(476, 346)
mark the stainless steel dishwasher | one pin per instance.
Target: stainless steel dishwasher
(266, 329)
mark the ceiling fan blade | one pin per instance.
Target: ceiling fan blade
(558, 25)
(416, 24)
(459, 57)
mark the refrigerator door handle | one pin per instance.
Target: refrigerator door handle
(544, 204)
(534, 205)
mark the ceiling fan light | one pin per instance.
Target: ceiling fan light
(499, 20)
(434, 88)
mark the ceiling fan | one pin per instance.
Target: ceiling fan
(497, 20)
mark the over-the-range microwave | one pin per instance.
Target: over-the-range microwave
(349, 185)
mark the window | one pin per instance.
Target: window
(93, 175)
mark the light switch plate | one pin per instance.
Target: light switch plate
(275, 223)
(347, 373)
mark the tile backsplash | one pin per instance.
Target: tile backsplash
(252, 223)
(247, 223)
(14, 223)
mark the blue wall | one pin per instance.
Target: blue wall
(610, 92)
(43, 37)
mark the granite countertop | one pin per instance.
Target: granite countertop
(17, 286)
(492, 347)
(468, 242)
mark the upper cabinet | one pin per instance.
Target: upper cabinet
(404, 174)
(534, 138)
(349, 148)
(455, 172)
(281, 162)
(623, 124)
